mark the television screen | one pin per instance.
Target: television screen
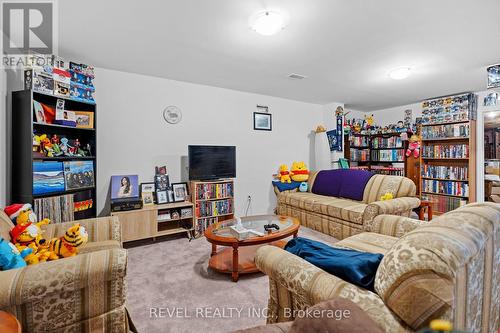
(212, 162)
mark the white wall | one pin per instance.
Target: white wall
(133, 137)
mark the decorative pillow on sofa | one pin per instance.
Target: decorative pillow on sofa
(349, 184)
(353, 266)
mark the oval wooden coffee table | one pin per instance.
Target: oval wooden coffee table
(238, 261)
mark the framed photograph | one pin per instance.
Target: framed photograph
(147, 198)
(262, 121)
(161, 170)
(162, 182)
(493, 76)
(180, 191)
(186, 212)
(79, 174)
(175, 215)
(170, 195)
(123, 187)
(84, 119)
(147, 187)
(161, 197)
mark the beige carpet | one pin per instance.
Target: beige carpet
(171, 290)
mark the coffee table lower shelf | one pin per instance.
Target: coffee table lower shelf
(222, 261)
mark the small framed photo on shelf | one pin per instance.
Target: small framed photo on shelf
(180, 191)
(262, 121)
(186, 212)
(162, 197)
(84, 119)
(147, 198)
(170, 195)
(147, 187)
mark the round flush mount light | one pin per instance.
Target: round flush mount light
(400, 73)
(267, 23)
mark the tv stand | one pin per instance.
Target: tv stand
(213, 202)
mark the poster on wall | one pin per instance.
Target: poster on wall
(334, 141)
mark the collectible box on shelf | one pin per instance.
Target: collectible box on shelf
(39, 79)
(447, 109)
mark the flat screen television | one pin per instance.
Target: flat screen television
(211, 162)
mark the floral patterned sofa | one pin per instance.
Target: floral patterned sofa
(85, 293)
(342, 217)
(448, 268)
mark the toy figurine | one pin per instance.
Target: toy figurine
(56, 150)
(413, 147)
(65, 148)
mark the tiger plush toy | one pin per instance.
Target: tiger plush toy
(67, 245)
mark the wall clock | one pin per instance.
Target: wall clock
(172, 114)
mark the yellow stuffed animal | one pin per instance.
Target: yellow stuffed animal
(299, 172)
(387, 196)
(284, 174)
(67, 245)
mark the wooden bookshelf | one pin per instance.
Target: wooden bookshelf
(448, 150)
(148, 222)
(23, 128)
(213, 202)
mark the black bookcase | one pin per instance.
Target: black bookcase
(25, 126)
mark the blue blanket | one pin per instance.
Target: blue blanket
(353, 266)
(286, 186)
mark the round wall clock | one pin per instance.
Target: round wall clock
(172, 114)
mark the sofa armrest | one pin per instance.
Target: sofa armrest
(278, 192)
(66, 276)
(393, 225)
(398, 206)
(99, 229)
(295, 285)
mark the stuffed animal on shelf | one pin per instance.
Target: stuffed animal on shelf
(67, 245)
(299, 172)
(284, 174)
(303, 187)
(413, 146)
(10, 256)
(387, 196)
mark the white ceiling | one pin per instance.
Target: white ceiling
(345, 47)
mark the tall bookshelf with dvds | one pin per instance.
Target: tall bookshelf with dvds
(213, 202)
(377, 152)
(448, 153)
(54, 161)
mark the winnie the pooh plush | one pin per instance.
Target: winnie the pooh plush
(284, 174)
(299, 172)
(67, 245)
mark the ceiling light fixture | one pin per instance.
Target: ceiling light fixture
(267, 23)
(400, 73)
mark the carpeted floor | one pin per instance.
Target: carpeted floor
(171, 289)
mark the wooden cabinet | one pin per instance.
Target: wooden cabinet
(151, 221)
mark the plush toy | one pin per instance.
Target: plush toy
(67, 245)
(10, 257)
(32, 258)
(284, 174)
(303, 187)
(369, 120)
(37, 140)
(299, 172)
(414, 146)
(387, 196)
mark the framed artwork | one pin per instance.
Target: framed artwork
(493, 76)
(161, 197)
(48, 177)
(147, 198)
(123, 187)
(180, 191)
(262, 121)
(147, 187)
(79, 174)
(170, 195)
(84, 119)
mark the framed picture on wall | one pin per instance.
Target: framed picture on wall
(262, 121)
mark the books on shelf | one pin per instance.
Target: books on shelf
(445, 172)
(391, 142)
(58, 208)
(390, 155)
(393, 171)
(445, 187)
(445, 131)
(214, 208)
(446, 151)
(360, 155)
(203, 223)
(214, 191)
(443, 204)
(359, 141)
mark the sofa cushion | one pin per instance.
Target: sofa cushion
(101, 245)
(343, 209)
(379, 185)
(368, 242)
(343, 183)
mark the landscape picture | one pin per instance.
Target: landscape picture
(79, 174)
(48, 177)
